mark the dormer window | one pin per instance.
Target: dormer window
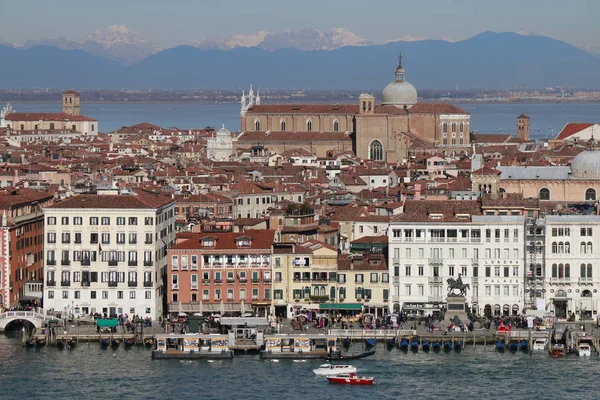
(244, 241)
(435, 216)
(208, 242)
(462, 216)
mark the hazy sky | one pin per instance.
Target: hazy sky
(171, 22)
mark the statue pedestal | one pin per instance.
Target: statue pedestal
(456, 308)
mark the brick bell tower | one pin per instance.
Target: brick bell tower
(523, 127)
(71, 102)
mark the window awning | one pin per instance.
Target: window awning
(107, 323)
(341, 306)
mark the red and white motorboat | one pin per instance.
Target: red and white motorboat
(351, 379)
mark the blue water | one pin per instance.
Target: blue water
(474, 373)
(546, 119)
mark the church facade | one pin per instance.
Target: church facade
(377, 132)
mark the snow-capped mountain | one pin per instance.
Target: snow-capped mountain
(306, 38)
(123, 44)
(116, 42)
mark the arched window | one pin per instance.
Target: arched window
(567, 248)
(332, 293)
(306, 292)
(282, 122)
(589, 270)
(589, 247)
(561, 293)
(544, 194)
(454, 127)
(342, 294)
(336, 125)
(561, 248)
(316, 291)
(445, 138)
(309, 125)
(501, 190)
(586, 293)
(582, 248)
(561, 271)
(257, 124)
(369, 106)
(554, 247)
(454, 136)
(364, 106)
(567, 270)
(376, 151)
(462, 127)
(445, 127)
(590, 195)
(461, 137)
(554, 271)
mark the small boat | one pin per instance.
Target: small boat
(40, 342)
(104, 343)
(458, 346)
(351, 379)
(71, 343)
(448, 345)
(115, 343)
(347, 342)
(414, 346)
(540, 344)
(584, 350)
(523, 346)
(500, 345)
(426, 346)
(29, 343)
(403, 345)
(349, 356)
(330, 370)
(371, 342)
(129, 342)
(60, 344)
(558, 351)
(149, 342)
(391, 344)
(436, 346)
(513, 345)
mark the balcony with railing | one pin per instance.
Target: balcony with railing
(435, 260)
(131, 283)
(435, 280)
(113, 283)
(51, 262)
(85, 283)
(435, 299)
(243, 280)
(475, 261)
(113, 263)
(560, 281)
(65, 262)
(230, 281)
(217, 281)
(132, 263)
(396, 261)
(50, 283)
(586, 281)
(65, 283)
(147, 283)
(174, 286)
(194, 285)
(147, 263)
(86, 262)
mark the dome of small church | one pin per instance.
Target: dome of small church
(399, 92)
(586, 165)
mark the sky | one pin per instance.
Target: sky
(174, 22)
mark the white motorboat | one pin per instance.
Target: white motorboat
(330, 370)
(584, 350)
(540, 344)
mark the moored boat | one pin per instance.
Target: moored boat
(513, 345)
(371, 342)
(436, 346)
(60, 344)
(71, 343)
(115, 343)
(403, 344)
(426, 346)
(29, 343)
(340, 356)
(149, 342)
(414, 346)
(129, 342)
(540, 344)
(104, 343)
(351, 379)
(584, 350)
(558, 351)
(40, 342)
(448, 345)
(500, 345)
(523, 346)
(458, 346)
(347, 342)
(330, 369)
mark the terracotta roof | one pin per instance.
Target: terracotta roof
(354, 262)
(143, 200)
(491, 137)
(508, 200)
(304, 109)
(423, 210)
(10, 197)
(46, 117)
(486, 171)
(437, 108)
(248, 221)
(259, 239)
(371, 240)
(571, 129)
(71, 92)
(279, 136)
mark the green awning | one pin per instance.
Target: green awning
(341, 306)
(107, 323)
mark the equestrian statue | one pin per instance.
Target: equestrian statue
(457, 284)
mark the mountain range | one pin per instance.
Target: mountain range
(118, 58)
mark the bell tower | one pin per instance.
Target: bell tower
(71, 102)
(366, 103)
(523, 127)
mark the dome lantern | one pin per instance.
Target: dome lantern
(399, 92)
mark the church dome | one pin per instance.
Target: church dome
(399, 92)
(586, 165)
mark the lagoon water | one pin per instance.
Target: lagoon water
(87, 372)
(547, 119)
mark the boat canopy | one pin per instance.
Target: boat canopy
(107, 323)
(341, 306)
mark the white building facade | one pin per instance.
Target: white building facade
(487, 252)
(107, 254)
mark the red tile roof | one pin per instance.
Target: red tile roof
(571, 129)
(293, 137)
(304, 109)
(436, 108)
(143, 200)
(46, 117)
(259, 240)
